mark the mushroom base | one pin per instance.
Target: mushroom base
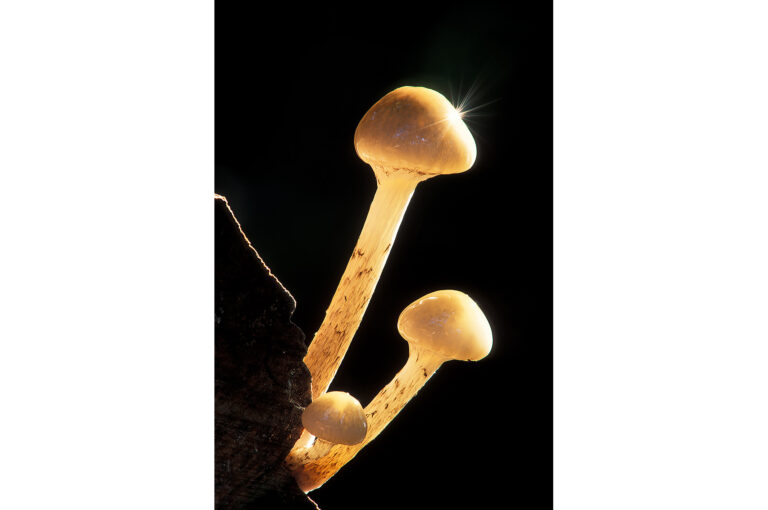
(311, 474)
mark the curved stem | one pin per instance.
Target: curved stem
(421, 364)
(348, 304)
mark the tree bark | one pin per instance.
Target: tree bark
(262, 385)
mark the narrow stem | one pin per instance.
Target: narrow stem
(348, 304)
(421, 364)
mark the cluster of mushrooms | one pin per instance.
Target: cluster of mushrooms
(409, 135)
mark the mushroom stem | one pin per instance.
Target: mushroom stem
(311, 473)
(305, 440)
(421, 365)
(358, 282)
(314, 451)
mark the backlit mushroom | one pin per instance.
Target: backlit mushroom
(409, 135)
(441, 326)
(334, 418)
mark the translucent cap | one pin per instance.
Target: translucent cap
(417, 129)
(336, 417)
(449, 323)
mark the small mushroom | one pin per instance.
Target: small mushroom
(334, 418)
(337, 417)
(409, 135)
(441, 326)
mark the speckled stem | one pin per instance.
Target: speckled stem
(420, 366)
(348, 304)
(306, 454)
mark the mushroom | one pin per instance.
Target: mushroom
(441, 326)
(334, 418)
(409, 135)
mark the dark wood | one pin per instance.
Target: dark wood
(262, 384)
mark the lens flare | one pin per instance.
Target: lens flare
(468, 105)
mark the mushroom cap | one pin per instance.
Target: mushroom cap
(417, 129)
(336, 417)
(449, 323)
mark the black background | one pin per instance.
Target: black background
(291, 84)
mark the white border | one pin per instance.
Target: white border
(661, 255)
(106, 280)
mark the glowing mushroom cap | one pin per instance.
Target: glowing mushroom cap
(449, 323)
(336, 417)
(417, 129)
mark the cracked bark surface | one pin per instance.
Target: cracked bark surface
(262, 384)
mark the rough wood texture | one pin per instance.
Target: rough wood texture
(262, 384)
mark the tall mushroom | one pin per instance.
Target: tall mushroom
(409, 135)
(441, 326)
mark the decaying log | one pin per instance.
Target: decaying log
(262, 385)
